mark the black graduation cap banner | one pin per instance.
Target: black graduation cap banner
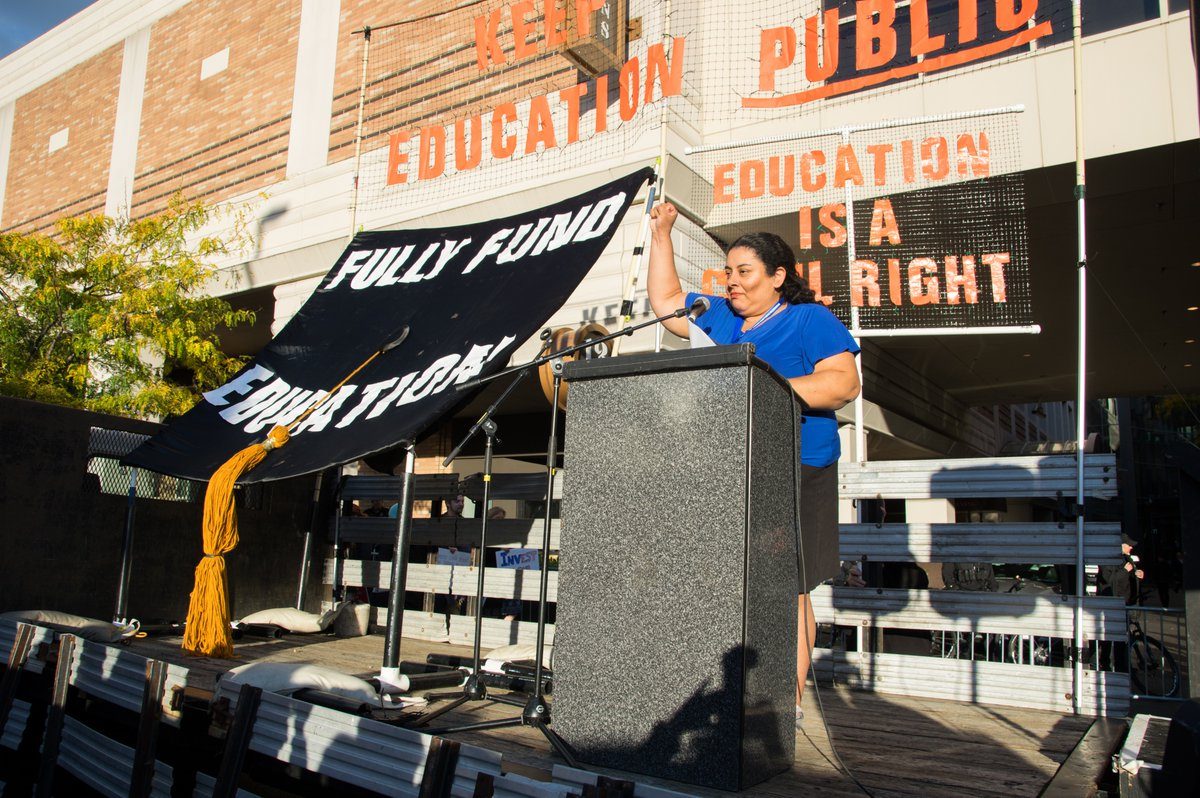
(468, 297)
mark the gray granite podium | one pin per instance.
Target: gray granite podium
(675, 640)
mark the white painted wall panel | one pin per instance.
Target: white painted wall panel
(122, 168)
(312, 100)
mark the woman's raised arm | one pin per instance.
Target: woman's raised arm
(662, 279)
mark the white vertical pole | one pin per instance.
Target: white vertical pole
(860, 430)
(358, 130)
(1081, 393)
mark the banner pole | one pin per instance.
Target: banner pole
(358, 129)
(635, 259)
(1081, 392)
(389, 674)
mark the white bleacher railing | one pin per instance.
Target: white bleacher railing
(1048, 480)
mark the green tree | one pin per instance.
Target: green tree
(100, 313)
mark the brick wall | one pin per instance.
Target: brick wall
(227, 134)
(43, 185)
(426, 72)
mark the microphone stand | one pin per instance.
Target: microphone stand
(698, 307)
(474, 689)
(536, 711)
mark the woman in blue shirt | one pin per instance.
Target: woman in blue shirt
(768, 304)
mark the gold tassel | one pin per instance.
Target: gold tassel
(207, 632)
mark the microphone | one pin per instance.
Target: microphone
(698, 308)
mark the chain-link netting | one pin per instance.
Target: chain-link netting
(460, 102)
(106, 447)
(494, 93)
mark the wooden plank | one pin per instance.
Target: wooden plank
(1088, 763)
(898, 746)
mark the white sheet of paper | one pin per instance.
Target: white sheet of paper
(458, 557)
(698, 337)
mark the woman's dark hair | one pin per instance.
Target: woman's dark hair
(775, 254)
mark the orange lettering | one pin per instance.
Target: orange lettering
(922, 42)
(1013, 14)
(968, 21)
(807, 181)
(895, 296)
(487, 42)
(503, 146)
(397, 158)
(813, 279)
(846, 169)
(601, 103)
(957, 284)
(541, 126)
(669, 75)
(776, 51)
(883, 222)
(834, 234)
(522, 48)
(923, 282)
(907, 160)
(879, 153)
(821, 53)
(629, 79)
(804, 217)
(722, 183)
(782, 172)
(711, 280)
(556, 18)
(996, 263)
(467, 155)
(432, 161)
(583, 15)
(571, 96)
(973, 158)
(935, 161)
(864, 274)
(751, 179)
(875, 39)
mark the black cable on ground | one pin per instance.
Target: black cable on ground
(804, 589)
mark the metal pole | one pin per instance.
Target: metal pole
(309, 539)
(860, 429)
(391, 650)
(358, 130)
(122, 609)
(1081, 392)
(635, 260)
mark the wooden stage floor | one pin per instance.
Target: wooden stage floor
(895, 746)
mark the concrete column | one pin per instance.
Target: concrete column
(312, 96)
(6, 130)
(126, 129)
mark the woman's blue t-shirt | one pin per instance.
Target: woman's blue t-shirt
(792, 342)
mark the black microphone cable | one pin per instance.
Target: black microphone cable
(804, 587)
